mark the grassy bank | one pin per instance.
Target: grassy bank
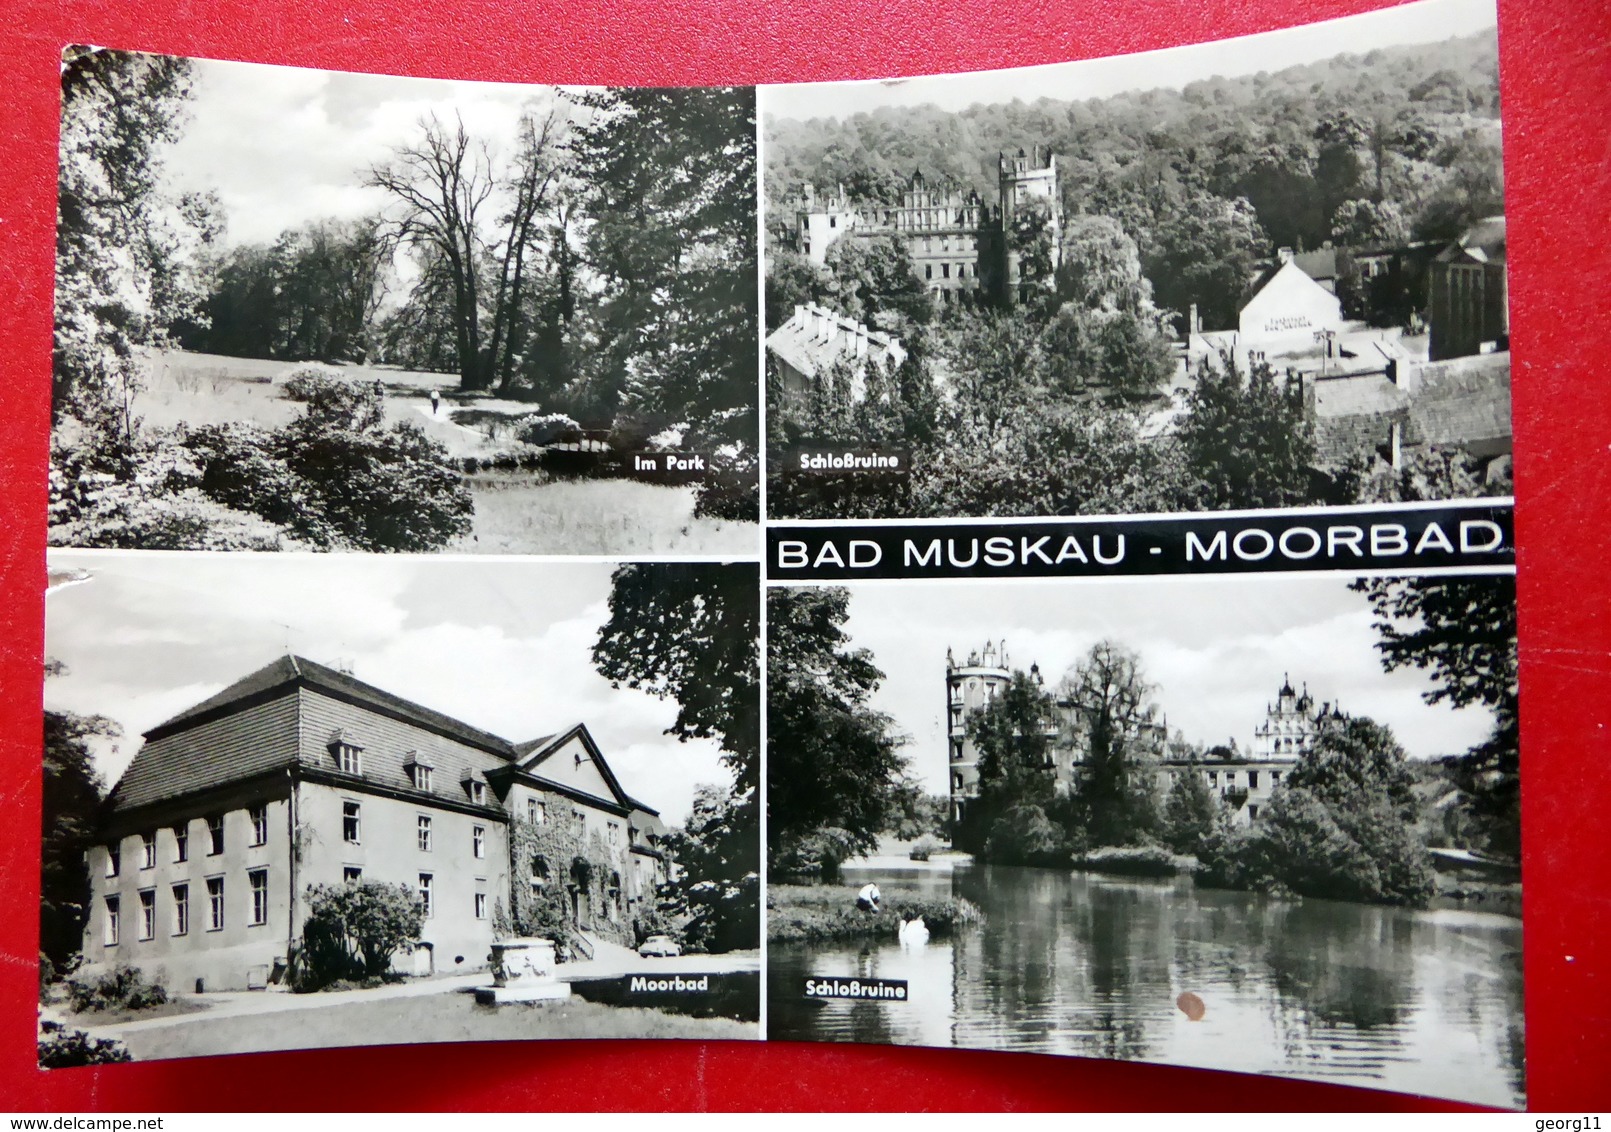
(445, 1017)
(798, 913)
(531, 513)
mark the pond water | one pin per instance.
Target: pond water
(1423, 1002)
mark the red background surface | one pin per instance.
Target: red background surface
(1556, 76)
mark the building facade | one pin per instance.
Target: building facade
(1244, 779)
(1469, 301)
(961, 245)
(814, 340)
(300, 775)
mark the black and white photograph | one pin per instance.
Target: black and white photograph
(1259, 824)
(1260, 272)
(312, 310)
(297, 801)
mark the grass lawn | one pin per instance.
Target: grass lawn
(92, 1018)
(525, 513)
(446, 1017)
(515, 512)
(816, 912)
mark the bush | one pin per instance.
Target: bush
(352, 932)
(1024, 835)
(549, 429)
(121, 988)
(1132, 860)
(61, 1048)
(374, 489)
(925, 847)
(334, 399)
(238, 468)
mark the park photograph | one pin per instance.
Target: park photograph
(1259, 272)
(1266, 824)
(312, 801)
(317, 311)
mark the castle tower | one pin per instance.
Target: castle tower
(968, 686)
(1291, 723)
(1021, 179)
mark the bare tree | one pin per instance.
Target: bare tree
(443, 182)
(482, 255)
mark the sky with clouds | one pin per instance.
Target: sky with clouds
(282, 146)
(502, 645)
(1425, 22)
(1216, 648)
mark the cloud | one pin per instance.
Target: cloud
(282, 146)
(504, 646)
(1217, 650)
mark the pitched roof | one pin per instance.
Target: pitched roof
(1483, 242)
(815, 338)
(534, 753)
(299, 671)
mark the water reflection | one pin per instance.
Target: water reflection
(1425, 1002)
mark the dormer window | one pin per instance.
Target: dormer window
(348, 753)
(475, 787)
(420, 771)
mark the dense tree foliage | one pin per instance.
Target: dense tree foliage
(1462, 631)
(1341, 825)
(71, 803)
(1206, 178)
(1013, 734)
(833, 762)
(353, 930)
(690, 632)
(126, 250)
(1117, 743)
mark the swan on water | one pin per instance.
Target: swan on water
(913, 932)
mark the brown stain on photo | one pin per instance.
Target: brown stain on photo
(1191, 1006)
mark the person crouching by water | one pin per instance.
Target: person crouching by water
(868, 898)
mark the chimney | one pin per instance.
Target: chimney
(1395, 445)
(799, 315)
(1284, 255)
(1194, 324)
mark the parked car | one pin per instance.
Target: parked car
(659, 947)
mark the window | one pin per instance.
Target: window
(928, 271)
(945, 271)
(215, 835)
(148, 913)
(423, 833)
(215, 904)
(422, 776)
(1252, 813)
(478, 792)
(481, 905)
(425, 894)
(613, 832)
(351, 874)
(539, 873)
(478, 841)
(258, 879)
(536, 812)
(181, 842)
(1275, 777)
(1253, 780)
(351, 823)
(181, 909)
(259, 825)
(349, 755)
(148, 850)
(1213, 778)
(112, 924)
(114, 859)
